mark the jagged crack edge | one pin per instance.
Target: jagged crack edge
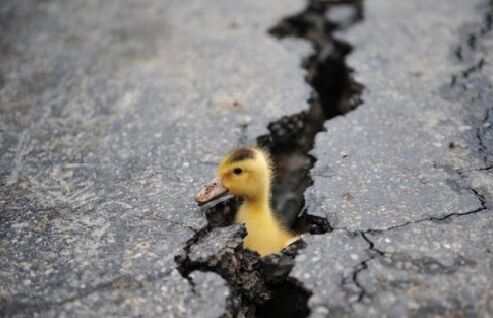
(181, 259)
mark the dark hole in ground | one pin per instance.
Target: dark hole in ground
(260, 286)
(291, 138)
(335, 93)
(288, 301)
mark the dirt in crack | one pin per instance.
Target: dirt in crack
(260, 287)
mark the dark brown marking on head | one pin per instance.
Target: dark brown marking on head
(241, 154)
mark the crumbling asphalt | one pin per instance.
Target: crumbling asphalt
(113, 113)
(408, 174)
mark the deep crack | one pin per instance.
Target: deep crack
(290, 140)
(261, 286)
(478, 97)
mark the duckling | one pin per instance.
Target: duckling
(247, 172)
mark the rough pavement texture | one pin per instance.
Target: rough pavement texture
(409, 172)
(216, 241)
(113, 113)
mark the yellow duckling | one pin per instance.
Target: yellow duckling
(247, 172)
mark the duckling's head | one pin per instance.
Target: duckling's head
(244, 172)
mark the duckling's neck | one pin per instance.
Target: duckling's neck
(259, 203)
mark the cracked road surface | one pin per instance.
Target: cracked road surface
(113, 113)
(406, 178)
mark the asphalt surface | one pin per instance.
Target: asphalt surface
(406, 178)
(114, 113)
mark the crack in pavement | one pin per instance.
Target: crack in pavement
(290, 140)
(483, 150)
(481, 200)
(303, 31)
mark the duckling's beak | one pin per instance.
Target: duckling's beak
(211, 191)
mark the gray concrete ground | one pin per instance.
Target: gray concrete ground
(406, 178)
(113, 113)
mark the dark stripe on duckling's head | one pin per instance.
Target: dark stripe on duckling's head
(240, 154)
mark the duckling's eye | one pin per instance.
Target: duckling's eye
(237, 171)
